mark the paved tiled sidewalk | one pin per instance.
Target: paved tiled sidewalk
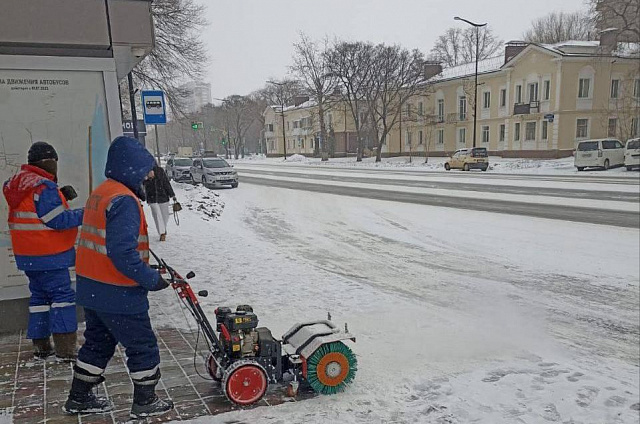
(34, 391)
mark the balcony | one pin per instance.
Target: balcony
(526, 108)
(456, 117)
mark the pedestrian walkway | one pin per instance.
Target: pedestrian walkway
(34, 391)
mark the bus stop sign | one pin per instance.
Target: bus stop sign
(154, 107)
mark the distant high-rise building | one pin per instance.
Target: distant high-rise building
(198, 95)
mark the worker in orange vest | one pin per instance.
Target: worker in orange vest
(43, 233)
(114, 278)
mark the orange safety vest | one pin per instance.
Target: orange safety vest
(92, 260)
(29, 234)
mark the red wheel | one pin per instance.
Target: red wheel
(245, 382)
(212, 368)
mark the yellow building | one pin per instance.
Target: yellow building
(533, 101)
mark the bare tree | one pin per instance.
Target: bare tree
(397, 75)
(351, 63)
(258, 105)
(179, 52)
(458, 46)
(623, 15)
(560, 26)
(241, 117)
(310, 65)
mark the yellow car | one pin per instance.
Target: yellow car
(467, 159)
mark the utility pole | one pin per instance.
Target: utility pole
(475, 95)
(132, 101)
(280, 86)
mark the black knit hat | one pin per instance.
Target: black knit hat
(41, 151)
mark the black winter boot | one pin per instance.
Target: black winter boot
(42, 348)
(145, 401)
(82, 400)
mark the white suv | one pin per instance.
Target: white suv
(213, 171)
(179, 169)
(632, 154)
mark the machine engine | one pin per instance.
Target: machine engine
(242, 338)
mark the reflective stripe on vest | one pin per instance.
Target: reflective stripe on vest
(93, 259)
(29, 234)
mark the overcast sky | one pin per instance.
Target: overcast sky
(250, 41)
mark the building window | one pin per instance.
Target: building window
(582, 128)
(547, 90)
(420, 109)
(636, 88)
(612, 127)
(270, 127)
(503, 97)
(486, 100)
(420, 140)
(533, 92)
(635, 127)
(485, 133)
(518, 94)
(545, 130)
(407, 110)
(301, 141)
(516, 132)
(615, 88)
(583, 88)
(330, 119)
(440, 136)
(440, 110)
(503, 130)
(462, 135)
(530, 131)
(462, 108)
(407, 138)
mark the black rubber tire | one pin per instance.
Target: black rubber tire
(465, 167)
(447, 167)
(234, 185)
(580, 168)
(629, 168)
(485, 168)
(606, 165)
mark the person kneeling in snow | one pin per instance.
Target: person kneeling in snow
(114, 278)
(43, 232)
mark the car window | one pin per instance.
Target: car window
(170, 162)
(196, 163)
(182, 162)
(215, 163)
(588, 146)
(610, 144)
(479, 152)
(618, 145)
(633, 144)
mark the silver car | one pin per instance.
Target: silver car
(179, 169)
(213, 172)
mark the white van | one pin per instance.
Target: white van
(602, 153)
(632, 154)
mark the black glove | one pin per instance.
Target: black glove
(162, 284)
(69, 193)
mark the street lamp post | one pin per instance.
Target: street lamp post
(475, 94)
(284, 135)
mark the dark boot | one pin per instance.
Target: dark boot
(65, 346)
(82, 400)
(146, 403)
(42, 348)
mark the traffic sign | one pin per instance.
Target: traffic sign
(154, 107)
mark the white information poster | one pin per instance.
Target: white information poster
(66, 109)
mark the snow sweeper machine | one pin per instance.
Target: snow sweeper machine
(245, 358)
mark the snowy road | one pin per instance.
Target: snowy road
(461, 316)
(589, 199)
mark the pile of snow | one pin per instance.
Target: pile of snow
(202, 200)
(297, 158)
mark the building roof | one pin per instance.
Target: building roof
(491, 64)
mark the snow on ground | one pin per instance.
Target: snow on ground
(460, 316)
(498, 164)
